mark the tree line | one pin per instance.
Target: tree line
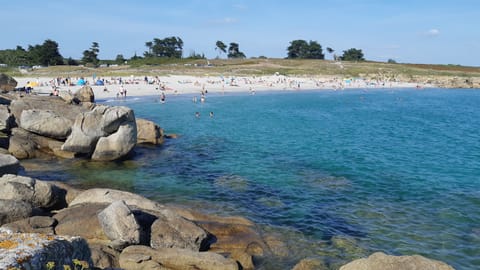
(301, 49)
(47, 54)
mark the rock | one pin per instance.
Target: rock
(6, 119)
(232, 182)
(6, 99)
(170, 230)
(81, 220)
(198, 217)
(8, 164)
(46, 123)
(7, 83)
(381, 261)
(119, 224)
(11, 211)
(148, 132)
(104, 257)
(4, 141)
(171, 136)
(347, 244)
(276, 246)
(43, 103)
(4, 151)
(67, 97)
(24, 144)
(66, 193)
(173, 231)
(20, 188)
(310, 264)
(116, 123)
(243, 258)
(58, 152)
(21, 147)
(117, 145)
(84, 94)
(36, 224)
(142, 257)
(108, 196)
(34, 251)
(235, 236)
(85, 133)
(242, 242)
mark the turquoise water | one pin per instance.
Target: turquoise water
(336, 175)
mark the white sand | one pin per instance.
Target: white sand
(183, 84)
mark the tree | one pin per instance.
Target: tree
(170, 47)
(194, 55)
(120, 59)
(16, 57)
(331, 51)
(91, 56)
(72, 62)
(297, 49)
(220, 47)
(149, 45)
(352, 55)
(314, 51)
(135, 57)
(46, 54)
(234, 51)
(391, 61)
(305, 50)
(50, 54)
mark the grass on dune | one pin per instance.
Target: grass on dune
(257, 67)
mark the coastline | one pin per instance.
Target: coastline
(188, 84)
(188, 87)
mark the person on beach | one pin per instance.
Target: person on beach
(54, 91)
(162, 97)
(123, 92)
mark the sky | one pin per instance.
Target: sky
(407, 31)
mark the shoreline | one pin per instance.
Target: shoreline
(138, 89)
(187, 84)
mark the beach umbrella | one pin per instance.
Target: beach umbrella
(81, 82)
(99, 82)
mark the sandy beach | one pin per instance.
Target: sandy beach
(185, 84)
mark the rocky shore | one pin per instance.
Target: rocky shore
(48, 225)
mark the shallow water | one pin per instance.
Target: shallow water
(336, 175)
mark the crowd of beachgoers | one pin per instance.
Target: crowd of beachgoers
(114, 87)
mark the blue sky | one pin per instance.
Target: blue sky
(408, 31)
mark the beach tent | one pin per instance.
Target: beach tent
(32, 84)
(81, 82)
(99, 82)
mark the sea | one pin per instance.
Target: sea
(334, 175)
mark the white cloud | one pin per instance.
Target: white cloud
(240, 7)
(224, 21)
(432, 32)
